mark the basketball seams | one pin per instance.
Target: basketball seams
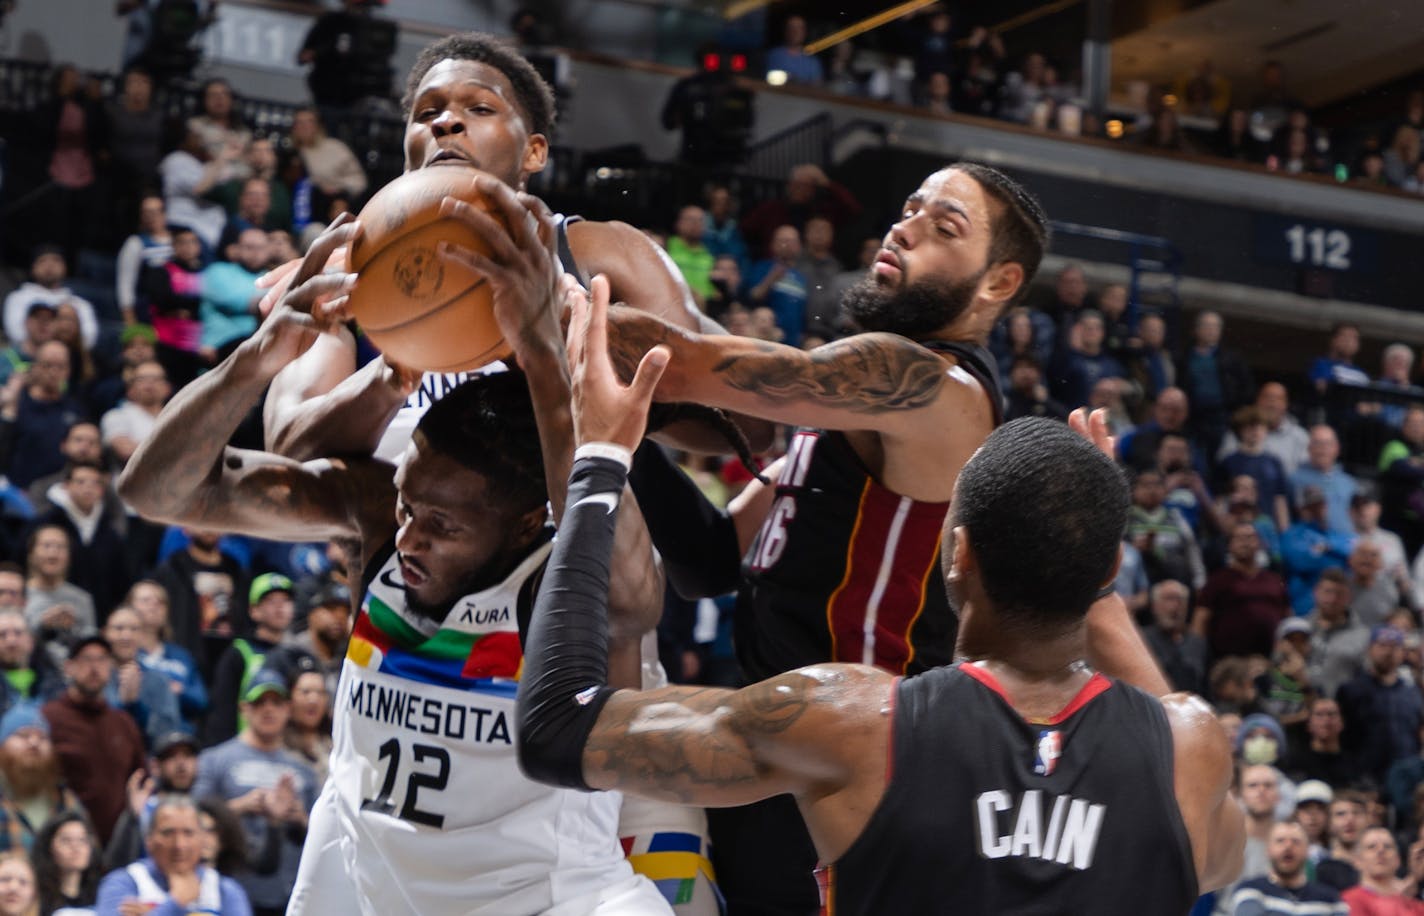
(433, 310)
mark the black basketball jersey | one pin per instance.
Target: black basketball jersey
(844, 569)
(987, 813)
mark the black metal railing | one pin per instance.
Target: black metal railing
(1155, 262)
(806, 142)
(1366, 418)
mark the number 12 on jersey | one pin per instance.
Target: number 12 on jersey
(416, 779)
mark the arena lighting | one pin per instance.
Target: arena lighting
(1114, 129)
(865, 25)
(776, 77)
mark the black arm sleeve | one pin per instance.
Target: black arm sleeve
(565, 681)
(697, 540)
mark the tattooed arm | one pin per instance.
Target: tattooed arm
(868, 381)
(184, 472)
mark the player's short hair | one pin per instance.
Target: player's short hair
(1045, 511)
(532, 94)
(1020, 229)
(487, 425)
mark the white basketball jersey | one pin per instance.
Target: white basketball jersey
(433, 387)
(432, 814)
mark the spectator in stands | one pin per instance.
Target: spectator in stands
(978, 87)
(1309, 547)
(1234, 139)
(127, 425)
(1215, 379)
(67, 865)
(818, 264)
(327, 633)
(175, 291)
(82, 370)
(173, 877)
(98, 746)
(1252, 460)
(1232, 687)
(254, 211)
(1401, 786)
(188, 173)
(1286, 888)
(1320, 756)
(333, 169)
(207, 594)
(35, 414)
(261, 160)
(1396, 372)
(1339, 642)
(48, 272)
(155, 652)
(1070, 296)
(230, 296)
(1160, 533)
(1383, 712)
(1243, 505)
(39, 328)
(1084, 361)
(270, 608)
(1272, 103)
(934, 52)
(1132, 585)
(133, 136)
(309, 728)
(33, 790)
(172, 769)
(97, 561)
(1186, 489)
(809, 192)
(1149, 364)
(1165, 133)
(161, 34)
(69, 128)
(268, 785)
(789, 57)
(1107, 395)
(1324, 472)
(935, 94)
(1260, 796)
(726, 282)
(1373, 595)
(1381, 890)
(1401, 157)
(691, 255)
(1312, 812)
(1170, 414)
(1027, 395)
(1181, 652)
(1204, 93)
(18, 895)
(334, 49)
(1117, 334)
(1242, 603)
(1022, 333)
(776, 284)
(147, 249)
(81, 443)
(26, 673)
(54, 607)
(1364, 518)
(1025, 89)
(143, 693)
(1338, 364)
(724, 235)
(220, 129)
(1401, 466)
(1284, 687)
(1348, 820)
(1286, 439)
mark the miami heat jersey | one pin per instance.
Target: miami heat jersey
(987, 813)
(844, 569)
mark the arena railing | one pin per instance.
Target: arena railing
(1366, 417)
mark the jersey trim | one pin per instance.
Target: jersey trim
(1092, 689)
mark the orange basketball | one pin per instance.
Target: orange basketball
(424, 311)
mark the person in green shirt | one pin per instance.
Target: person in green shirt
(27, 675)
(691, 256)
(261, 158)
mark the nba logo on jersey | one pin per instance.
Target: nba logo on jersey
(1050, 748)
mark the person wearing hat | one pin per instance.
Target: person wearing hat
(1312, 811)
(270, 610)
(46, 284)
(263, 782)
(146, 389)
(1284, 687)
(39, 327)
(32, 789)
(1383, 712)
(99, 747)
(172, 770)
(328, 631)
(1309, 547)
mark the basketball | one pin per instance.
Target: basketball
(421, 310)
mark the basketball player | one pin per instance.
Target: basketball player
(1017, 781)
(841, 567)
(471, 101)
(425, 811)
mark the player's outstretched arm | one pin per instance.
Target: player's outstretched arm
(873, 381)
(1203, 777)
(803, 732)
(184, 472)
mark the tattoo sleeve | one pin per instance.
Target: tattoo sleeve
(864, 373)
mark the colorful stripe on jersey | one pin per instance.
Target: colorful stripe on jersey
(892, 551)
(673, 861)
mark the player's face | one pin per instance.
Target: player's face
(465, 113)
(933, 262)
(453, 534)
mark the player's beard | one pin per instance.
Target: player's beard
(909, 309)
(439, 610)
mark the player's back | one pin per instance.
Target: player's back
(986, 813)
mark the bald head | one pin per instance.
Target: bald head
(1171, 411)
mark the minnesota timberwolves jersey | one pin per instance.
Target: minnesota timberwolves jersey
(426, 810)
(987, 813)
(844, 569)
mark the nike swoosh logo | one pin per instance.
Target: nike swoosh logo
(388, 578)
(608, 500)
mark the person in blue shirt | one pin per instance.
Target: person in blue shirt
(1322, 470)
(230, 295)
(1337, 366)
(171, 881)
(1084, 362)
(778, 285)
(1308, 548)
(1252, 460)
(798, 66)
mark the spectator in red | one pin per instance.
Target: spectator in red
(1242, 602)
(809, 192)
(98, 746)
(1381, 892)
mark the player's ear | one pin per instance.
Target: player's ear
(1002, 281)
(960, 554)
(528, 525)
(536, 154)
